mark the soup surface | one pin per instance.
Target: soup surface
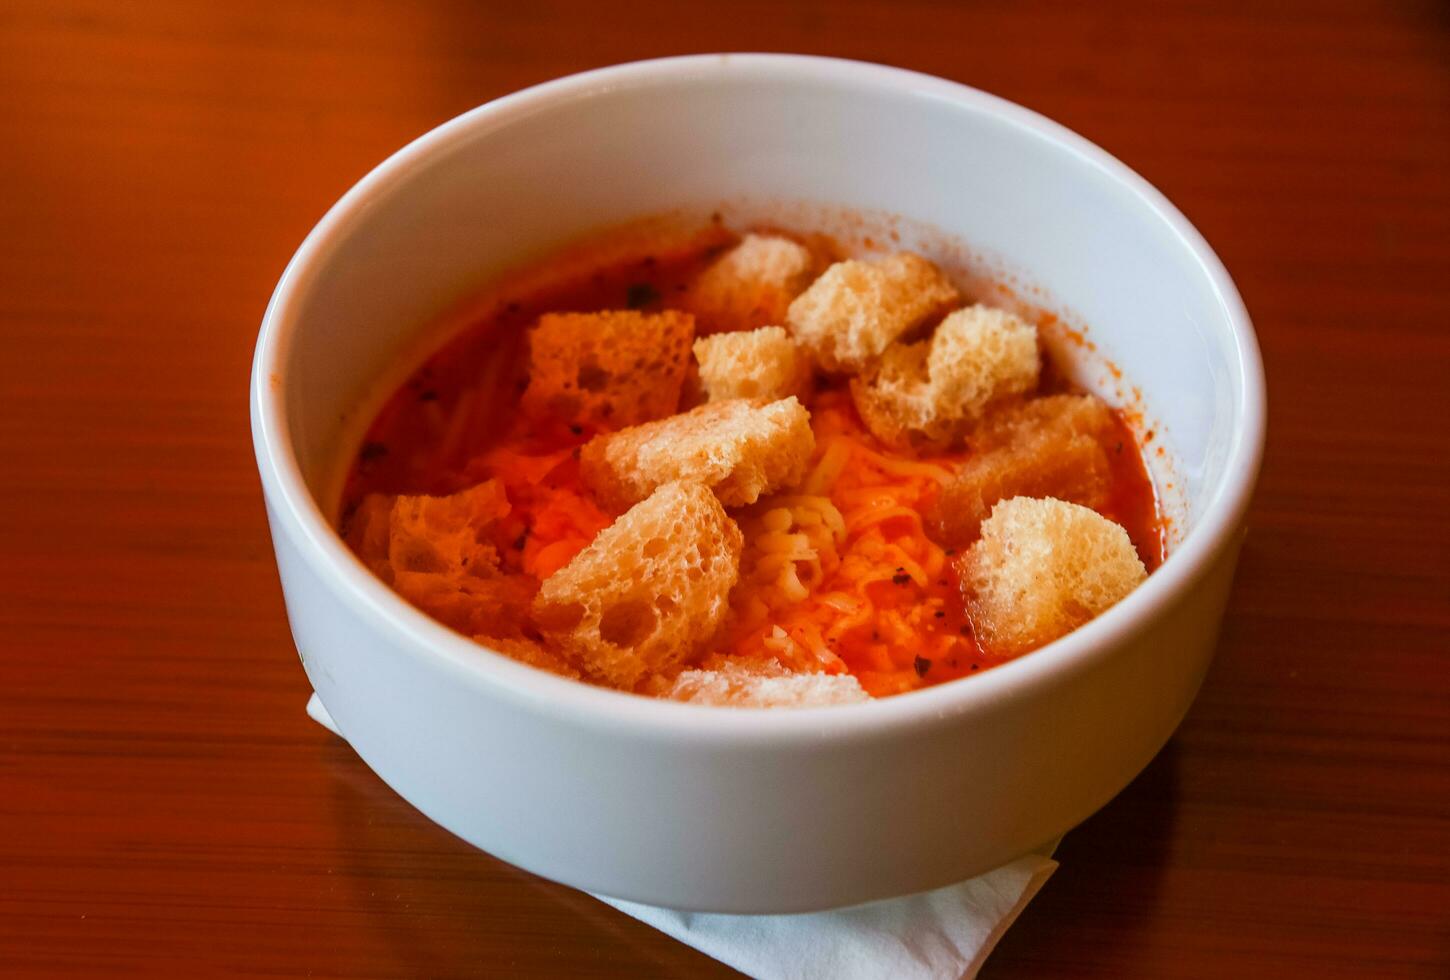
(857, 568)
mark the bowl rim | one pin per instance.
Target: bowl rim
(295, 513)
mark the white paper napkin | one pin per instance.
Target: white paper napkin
(940, 934)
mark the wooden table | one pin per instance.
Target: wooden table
(164, 803)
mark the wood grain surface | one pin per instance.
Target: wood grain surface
(165, 806)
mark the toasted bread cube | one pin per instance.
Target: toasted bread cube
(1018, 423)
(924, 395)
(615, 368)
(1041, 569)
(474, 605)
(1046, 447)
(435, 552)
(444, 536)
(849, 316)
(762, 363)
(741, 449)
(754, 685)
(368, 531)
(530, 652)
(751, 285)
(649, 590)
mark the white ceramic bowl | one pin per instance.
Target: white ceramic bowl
(740, 810)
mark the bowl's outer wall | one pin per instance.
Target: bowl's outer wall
(740, 824)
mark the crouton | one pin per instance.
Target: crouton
(1017, 423)
(762, 363)
(924, 395)
(446, 535)
(751, 285)
(530, 652)
(650, 589)
(442, 536)
(368, 531)
(753, 685)
(436, 553)
(741, 449)
(492, 605)
(1046, 447)
(1041, 569)
(615, 368)
(851, 313)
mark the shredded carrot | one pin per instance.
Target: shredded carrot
(554, 516)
